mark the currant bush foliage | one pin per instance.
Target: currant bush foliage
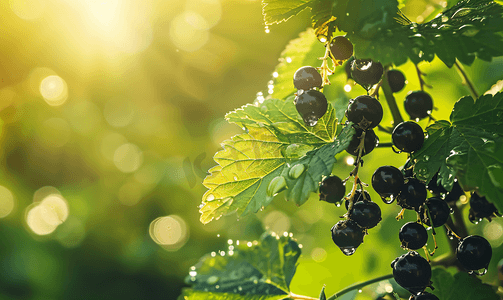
(469, 147)
(262, 270)
(460, 286)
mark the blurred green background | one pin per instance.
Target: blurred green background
(114, 109)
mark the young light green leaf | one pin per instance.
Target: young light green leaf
(460, 286)
(277, 11)
(469, 147)
(259, 270)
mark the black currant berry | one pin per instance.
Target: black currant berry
(408, 136)
(371, 140)
(359, 196)
(367, 214)
(413, 236)
(418, 104)
(396, 80)
(365, 111)
(347, 235)
(311, 105)
(341, 48)
(306, 78)
(413, 194)
(387, 181)
(426, 296)
(474, 253)
(366, 71)
(481, 208)
(332, 189)
(455, 193)
(412, 272)
(435, 187)
(439, 211)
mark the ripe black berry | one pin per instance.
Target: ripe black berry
(418, 104)
(311, 105)
(366, 71)
(396, 80)
(347, 235)
(371, 140)
(413, 194)
(480, 208)
(426, 296)
(412, 272)
(306, 78)
(413, 235)
(408, 136)
(366, 214)
(455, 193)
(365, 111)
(387, 181)
(474, 253)
(341, 48)
(434, 187)
(439, 212)
(359, 196)
(332, 189)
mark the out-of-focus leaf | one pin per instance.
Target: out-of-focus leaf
(469, 147)
(460, 286)
(263, 270)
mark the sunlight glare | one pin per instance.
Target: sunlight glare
(188, 31)
(169, 231)
(28, 9)
(54, 90)
(6, 202)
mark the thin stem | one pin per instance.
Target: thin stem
(381, 145)
(325, 69)
(359, 286)
(390, 99)
(466, 79)
(300, 297)
(420, 75)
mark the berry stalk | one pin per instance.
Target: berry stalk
(466, 79)
(390, 99)
(359, 286)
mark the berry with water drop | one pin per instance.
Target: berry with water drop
(425, 296)
(413, 235)
(306, 78)
(418, 104)
(439, 211)
(396, 80)
(412, 272)
(370, 142)
(341, 48)
(480, 208)
(366, 71)
(332, 190)
(413, 194)
(408, 136)
(347, 235)
(365, 111)
(311, 105)
(387, 181)
(365, 213)
(474, 253)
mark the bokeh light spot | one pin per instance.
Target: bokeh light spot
(27, 9)
(37, 223)
(170, 231)
(209, 10)
(55, 209)
(319, 254)
(110, 143)
(54, 132)
(54, 90)
(188, 31)
(277, 221)
(494, 233)
(128, 158)
(6, 202)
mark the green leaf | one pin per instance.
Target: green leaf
(469, 147)
(257, 270)
(189, 294)
(277, 11)
(460, 286)
(245, 179)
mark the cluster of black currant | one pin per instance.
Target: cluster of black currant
(410, 270)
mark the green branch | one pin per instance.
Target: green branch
(359, 286)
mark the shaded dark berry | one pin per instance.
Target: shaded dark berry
(413, 235)
(426, 296)
(455, 193)
(341, 48)
(332, 189)
(439, 212)
(418, 104)
(481, 208)
(366, 71)
(347, 235)
(474, 253)
(387, 181)
(413, 194)
(408, 136)
(311, 105)
(412, 272)
(306, 78)
(367, 214)
(435, 187)
(365, 111)
(396, 80)
(371, 140)
(359, 196)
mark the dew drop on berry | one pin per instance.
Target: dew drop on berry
(348, 250)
